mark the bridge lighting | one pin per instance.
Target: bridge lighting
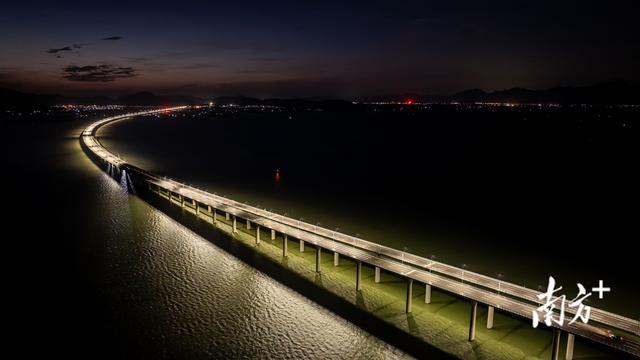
(361, 249)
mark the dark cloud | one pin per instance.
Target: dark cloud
(112, 38)
(97, 73)
(55, 51)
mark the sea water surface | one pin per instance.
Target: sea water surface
(94, 272)
(517, 196)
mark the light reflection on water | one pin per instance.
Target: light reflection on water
(162, 291)
(186, 296)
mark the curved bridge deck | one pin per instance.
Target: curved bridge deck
(494, 293)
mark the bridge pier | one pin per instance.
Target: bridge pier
(273, 234)
(285, 245)
(377, 275)
(555, 344)
(234, 225)
(257, 234)
(193, 203)
(181, 199)
(359, 275)
(301, 245)
(409, 302)
(336, 258)
(570, 343)
(472, 321)
(318, 257)
(226, 215)
(427, 294)
(248, 224)
(490, 312)
(213, 216)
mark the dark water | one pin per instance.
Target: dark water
(91, 272)
(526, 195)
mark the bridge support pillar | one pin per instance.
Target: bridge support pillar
(427, 294)
(273, 234)
(318, 258)
(336, 258)
(359, 275)
(227, 215)
(472, 321)
(181, 199)
(490, 312)
(285, 245)
(409, 301)
(195, 206)
(213, 216)
(570, 343)
(248, 224)
(301, 245)
(257, 234)
(377, 274)
(555, 344)
(234, 225)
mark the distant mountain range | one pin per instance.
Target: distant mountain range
(604, 93)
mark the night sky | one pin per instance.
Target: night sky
(311, 48)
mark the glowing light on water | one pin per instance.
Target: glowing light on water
(125, 180)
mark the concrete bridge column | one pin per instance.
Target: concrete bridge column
(427, 294)
(318, 258)
(273, 234)
(257, 234)
(336, 258)
(285, 245)
(472, 321)
(377, 274)
(359, 275)
(227, 215)
(213, 216)
(181, 199)
(555, 344)
(234, 225)
(248, 224)
(570, 343)
(490, 312)
(195, 206)
(409, 302)
(301, 245)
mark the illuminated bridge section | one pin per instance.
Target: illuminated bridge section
(494, 293)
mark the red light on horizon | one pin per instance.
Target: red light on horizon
(409, 102)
